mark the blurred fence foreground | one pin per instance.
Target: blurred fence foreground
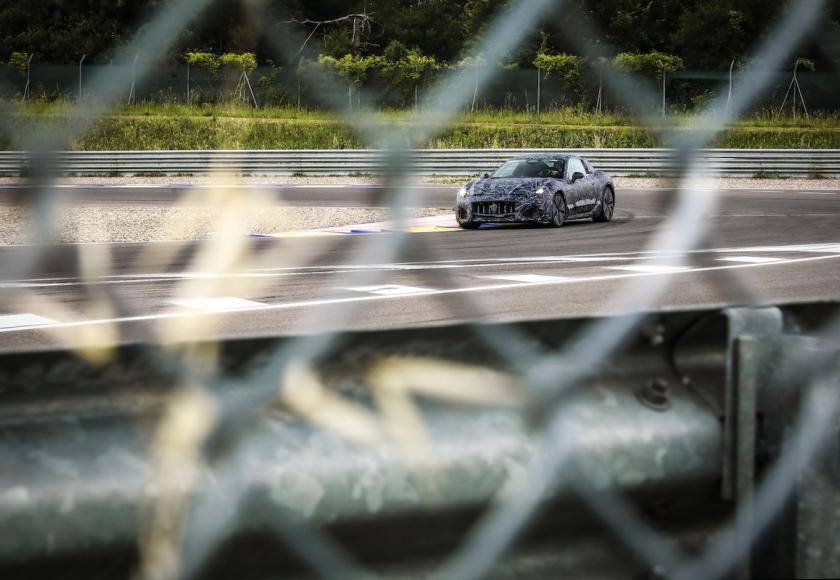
(701, 444)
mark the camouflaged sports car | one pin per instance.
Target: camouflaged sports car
(545, 188)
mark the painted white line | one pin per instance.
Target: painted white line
(404, 266)
(219, 304)
(527, 278)
(391, 290)
(376, 297)
(595, 259)
(749, 259)
(14, 321)
(651, 269)
(821, 248)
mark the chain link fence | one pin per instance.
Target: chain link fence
(518, 89)
(294, 437)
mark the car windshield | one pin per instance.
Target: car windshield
(530, 168)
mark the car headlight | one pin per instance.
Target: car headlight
(540, 191)
(462, 192)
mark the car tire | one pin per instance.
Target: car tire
(463, 219)
(561, 212)
(607, 208)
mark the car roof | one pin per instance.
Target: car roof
(563, 156)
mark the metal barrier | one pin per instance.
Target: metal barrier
(443, 162)
(635, 445)
(667, 441)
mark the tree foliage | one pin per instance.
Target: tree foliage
(805, 64)
(205, 60)
(706, 34)
(401, 70)
(245, 62)
(653, 63)
(354, 69)
(20, 61)
(565, 67)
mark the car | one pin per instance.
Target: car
(542, 188)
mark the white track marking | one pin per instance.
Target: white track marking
(821, 248)
(749, 259)
(527, 278)
(651, 269)
(595, 259)
(14, 321)
(431, 265)
(220, 304)
(391, 290)
(377, 297)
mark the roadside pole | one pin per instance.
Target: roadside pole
(80, 75)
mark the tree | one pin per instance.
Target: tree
(205, 60)
(724, 29)
(19, 61)
(241, 63)
(567, 68)
(407, 70)
(650, 64)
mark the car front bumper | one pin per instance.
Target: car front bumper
(502, 211)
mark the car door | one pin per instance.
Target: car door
(593, 188)
(577, 192)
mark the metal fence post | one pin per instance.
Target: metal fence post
(663, 93)
(80, 75)
(28, 69)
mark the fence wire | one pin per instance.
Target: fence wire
(187, 524)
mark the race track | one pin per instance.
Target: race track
(761, 247)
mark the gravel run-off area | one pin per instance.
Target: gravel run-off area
(161, 223)
(189, 221)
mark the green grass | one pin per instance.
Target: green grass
(174, 126)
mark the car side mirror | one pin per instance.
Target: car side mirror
(577, 175)
(485, 176)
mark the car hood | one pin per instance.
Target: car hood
(507, 186)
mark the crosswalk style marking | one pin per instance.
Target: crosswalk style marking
(651, 269)
(750, 259)
(527, 278)
(390, 290)
(215, 304)
(23, 320)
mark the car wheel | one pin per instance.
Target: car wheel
(605, 213)
(558, 218)
(463, 219)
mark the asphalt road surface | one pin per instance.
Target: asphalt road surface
(760, 247)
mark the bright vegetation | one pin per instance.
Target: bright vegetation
(149, 127)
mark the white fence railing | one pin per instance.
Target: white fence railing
(444, 162)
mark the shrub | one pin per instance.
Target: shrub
(405, 70)
(565, 67)
(245, 62)
(270, 89)
(205, 60)
(20, 61)
(651, 64)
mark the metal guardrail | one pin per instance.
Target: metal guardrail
(705, 452)
(443, 162)
(655, 425)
